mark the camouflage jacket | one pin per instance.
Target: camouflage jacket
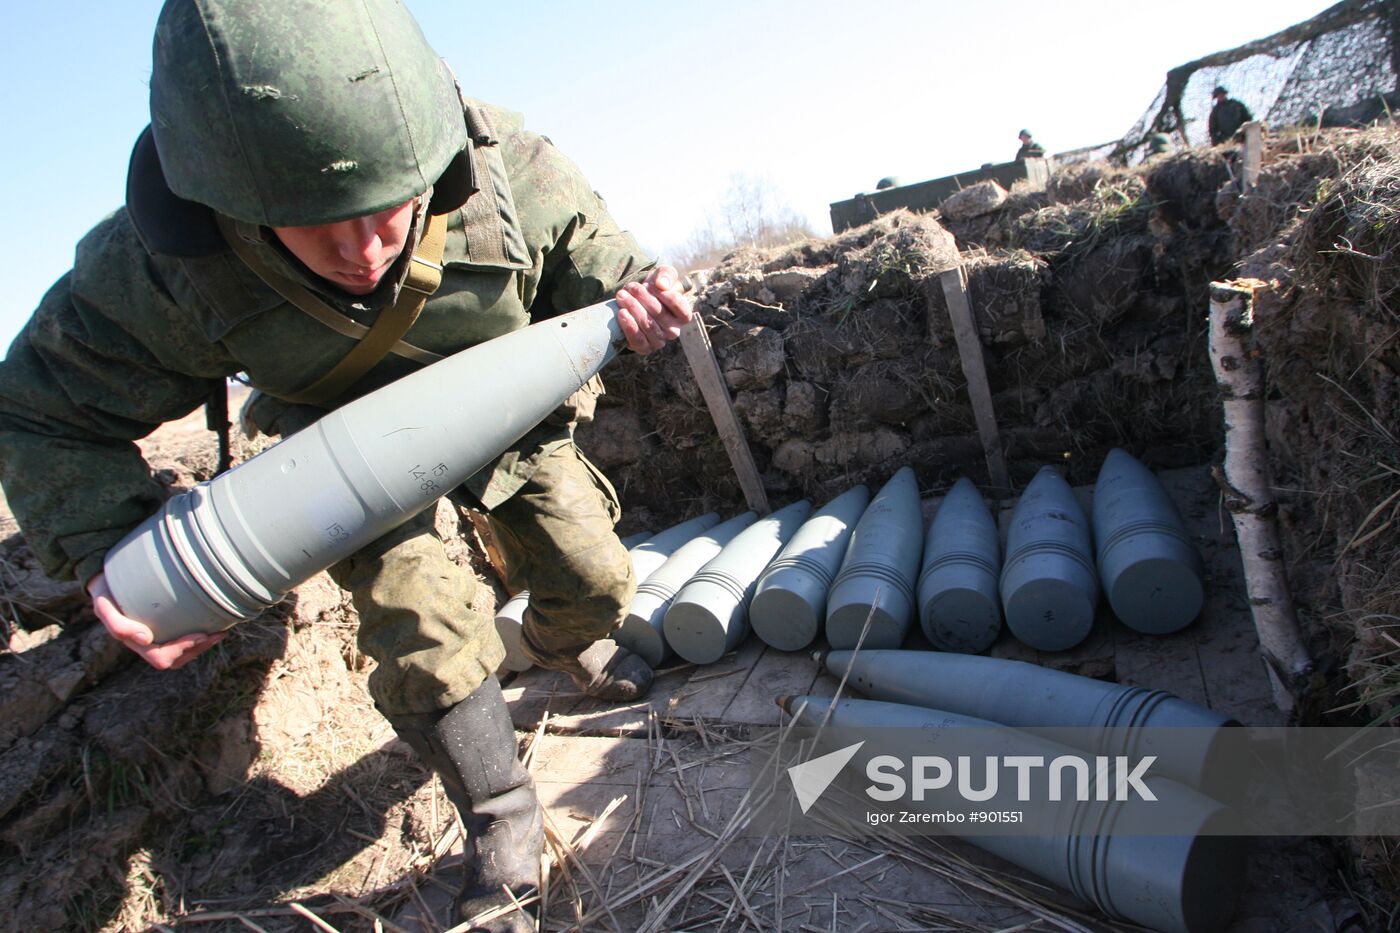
(1030, 150)
(132, 337)
(1226, 118)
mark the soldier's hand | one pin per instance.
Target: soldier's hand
(652, 312)
(167, 656)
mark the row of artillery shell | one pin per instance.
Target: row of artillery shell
(1184, 881)
(861, 566)
(1048, 585)
(1144, 558)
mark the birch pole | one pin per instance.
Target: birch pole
(1253, 155)
(1248, 488)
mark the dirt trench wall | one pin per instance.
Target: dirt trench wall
(1328, 327)
(1089, 300)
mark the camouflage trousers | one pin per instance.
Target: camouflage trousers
(556, 536)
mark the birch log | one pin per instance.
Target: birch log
(1253, 155)
(1248, 487)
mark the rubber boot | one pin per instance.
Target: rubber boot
(604, 670)
(472, 748)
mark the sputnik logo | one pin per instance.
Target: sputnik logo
(811, 778)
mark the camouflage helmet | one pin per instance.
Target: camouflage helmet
(1159, 142)
(296, 114)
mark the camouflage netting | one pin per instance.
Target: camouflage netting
(1338, 68)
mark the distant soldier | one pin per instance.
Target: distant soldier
(1158, 144)
(889, 181)
(1030, 149)
(1226, 117)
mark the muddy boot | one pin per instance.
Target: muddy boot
(472, 748)
(604, 670)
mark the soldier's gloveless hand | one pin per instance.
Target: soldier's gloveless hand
(167, 656)
(651, 313)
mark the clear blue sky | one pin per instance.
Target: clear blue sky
(660, 103)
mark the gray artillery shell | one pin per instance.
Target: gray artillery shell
(959, 606)
(511, 616)
(1150, 570)
(228, 549)
(789, 601)
(648, 556)
(1183, 883)
(642, 629)
(1049, 589)
(709, 616)
(877, 576)
(1018, 694)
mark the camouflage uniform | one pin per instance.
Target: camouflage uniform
(1226, 118)
(1030, 149)
(133, 336)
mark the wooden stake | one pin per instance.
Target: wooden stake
(701, 356)
(1248, 488)
(1253, 155)
(974, 368)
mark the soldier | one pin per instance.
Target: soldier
(1158, 144)
(1030, 149)
(296, 185)
(1227, 115)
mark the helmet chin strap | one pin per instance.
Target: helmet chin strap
(414, 247)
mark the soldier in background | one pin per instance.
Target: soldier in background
(1226, 116)
(1158, 144)
(1030, 149)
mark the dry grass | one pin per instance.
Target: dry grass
(1375, 671)
(1117, 205)
(1352, 232)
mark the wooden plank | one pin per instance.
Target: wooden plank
(603, 717)
(776, 673)
(530, 693)
(1253, 155)
(713, 687)
(974, 368)
(695, 342)
(1161, 662)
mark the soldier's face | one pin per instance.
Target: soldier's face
(354, 254)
